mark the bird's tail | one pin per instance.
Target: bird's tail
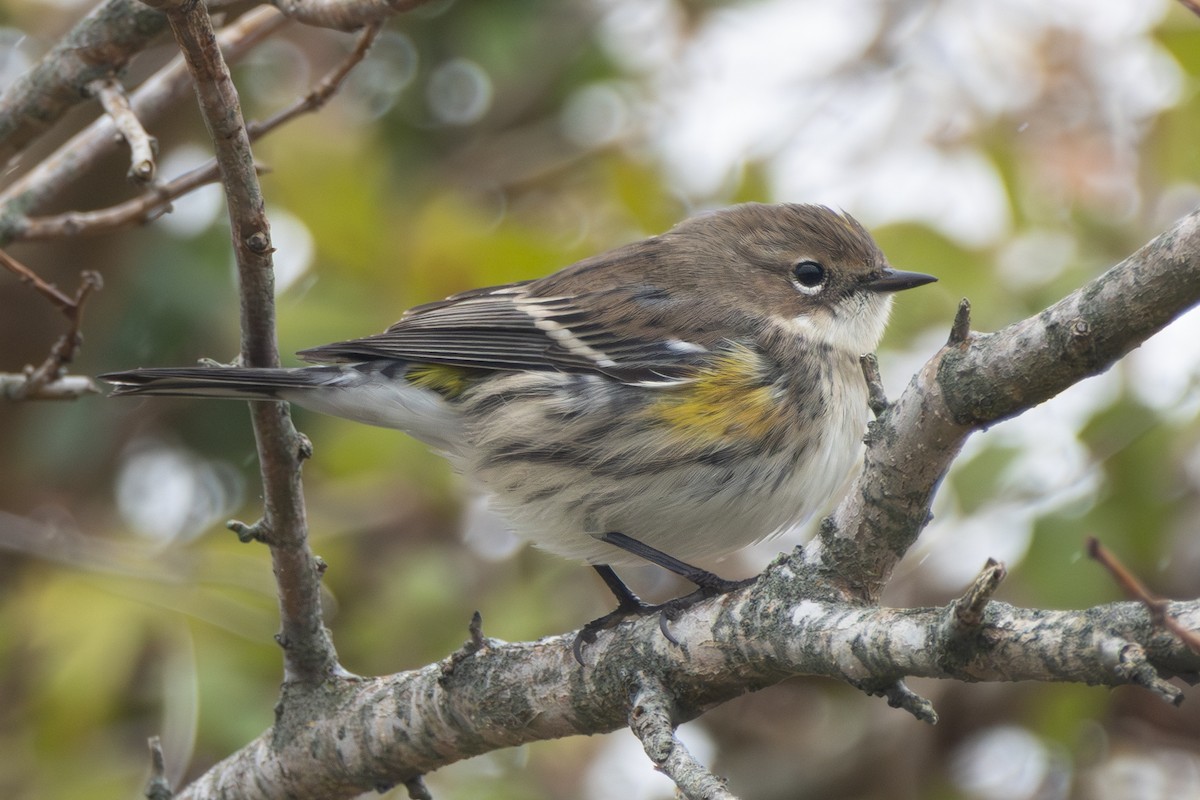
(238, 383)
(372, 393)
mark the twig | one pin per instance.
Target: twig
(157, 201)
(650, 720)
(309, 656)
(1191, 5)
(1134, 588)
(472, 646)
(142, 146)
(28, 276)
(100, 45)
(142, 209)
(325, 88)
(42, 184)
(16, 386)
(64, 350)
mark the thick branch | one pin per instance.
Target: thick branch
(384, 731)
(978, 380)
(309, 656)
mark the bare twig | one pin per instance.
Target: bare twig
(43, 183)
(142, 209)
(100, 45)
(325, 88)
(472, 646)
(390, 729)
(28, 276)
(142, 146)
(1134, 588)
(157, 201)
(1191, 5)
(16, 386)
(650, 719)
(309, 656)
(64, 350)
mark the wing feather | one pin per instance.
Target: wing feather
(508, 328)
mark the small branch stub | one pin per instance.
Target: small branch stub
(157, 787)
(247, 533)
(1133, 666)
(898, 695)
(968, 609)
(960, 330)
(472, 646)
(876, 396)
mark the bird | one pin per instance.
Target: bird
(677, 398)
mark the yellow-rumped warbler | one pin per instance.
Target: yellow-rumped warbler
(679, 397)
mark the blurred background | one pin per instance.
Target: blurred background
(1016, 149)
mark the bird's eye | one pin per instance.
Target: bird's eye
(809, 276)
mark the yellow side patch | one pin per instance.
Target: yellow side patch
(732, 399)
(448, 381)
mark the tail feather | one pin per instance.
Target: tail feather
(372, 393)
(240, 383)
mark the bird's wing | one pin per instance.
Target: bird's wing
(510, 328)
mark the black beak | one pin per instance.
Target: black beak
(895, 280)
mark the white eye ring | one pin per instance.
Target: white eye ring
(808, 276)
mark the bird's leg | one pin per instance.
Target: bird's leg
(629, 604)
(626, 600)
(708, 582)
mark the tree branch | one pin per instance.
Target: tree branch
(157, 200)
(795, 619)
(379, 732)
(98, 47)
(142, 146)
(980, 379)
(47, 381)
(45, 182)
(344, 15)
(650, 719)
(309, 656)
